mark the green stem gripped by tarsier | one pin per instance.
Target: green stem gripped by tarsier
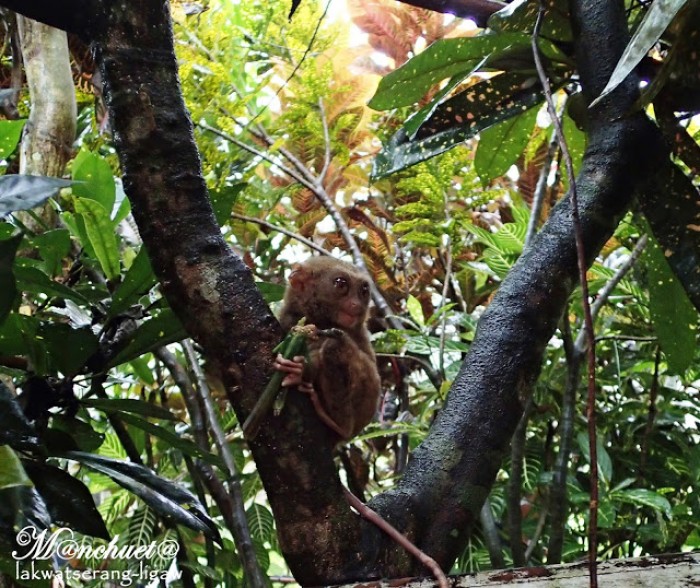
(291, 346)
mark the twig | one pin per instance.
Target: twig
(254, 574)
(515, 483)
(588, 319)
(558, 493)
(541, 190)
(491, 536)
(626, 338)
(445, 287)
(651, 416)
(326, 141)
(310, 244)
(607, 289)
(367, 513)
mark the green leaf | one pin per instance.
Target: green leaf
(459, 118)
(655, 22)
(171, 501)
(33, 280)
(521, 15)
(674, 317)
(222, 201)
(53, 247)
(19, 192)
(69, 348)
(177, 441)
(83, 435)
(670, 206)
(443, 59)
(163, 329)
(644, 497)
(12, 473)
(8, 285)
(415, 310)
(96, 180)
(76, 225)
(605, 468)
(260, 522)
(271, 292)
(130, 405)
(139, 279)
(10, 134)
(501, 144)
(68, 500)
(101, 233)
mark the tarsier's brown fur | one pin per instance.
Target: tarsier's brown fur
(341, 375)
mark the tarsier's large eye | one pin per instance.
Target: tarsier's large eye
(340, 284)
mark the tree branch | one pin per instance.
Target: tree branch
(439, 496)
(477, 10)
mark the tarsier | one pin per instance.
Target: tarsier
(341, 376)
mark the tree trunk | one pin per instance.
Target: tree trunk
(48, 136)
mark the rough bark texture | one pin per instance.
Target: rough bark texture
(213, 293)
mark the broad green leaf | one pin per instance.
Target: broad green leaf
(607, 514)
(163, 329)
(143, 370)
(15, 428)
(22, 506)
(260, 522)
(416, 121)
(122, 206)
(655, 22)
(443, 59)
(222, 201)
(131, 405)
(674, 317)
(644, 497)
(10, 134)
(271, 292)
(424, 345)
(33, 280)
(68, 500)
(83, 435)
(521, 15)
(139, 279)
(501, 144)
(171, 501)
(68, 348)
(8, 286)
(96, 180)
(172, 439)
(76, 225)
(19, 192)
(459, 118)
(53, 247)
(415, 310)
(101, 233)
(670, 205)
(605, 468)
(11, 471)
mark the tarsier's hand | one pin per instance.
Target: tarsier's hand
(294, 370)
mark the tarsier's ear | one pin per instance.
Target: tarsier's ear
(299, 277)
